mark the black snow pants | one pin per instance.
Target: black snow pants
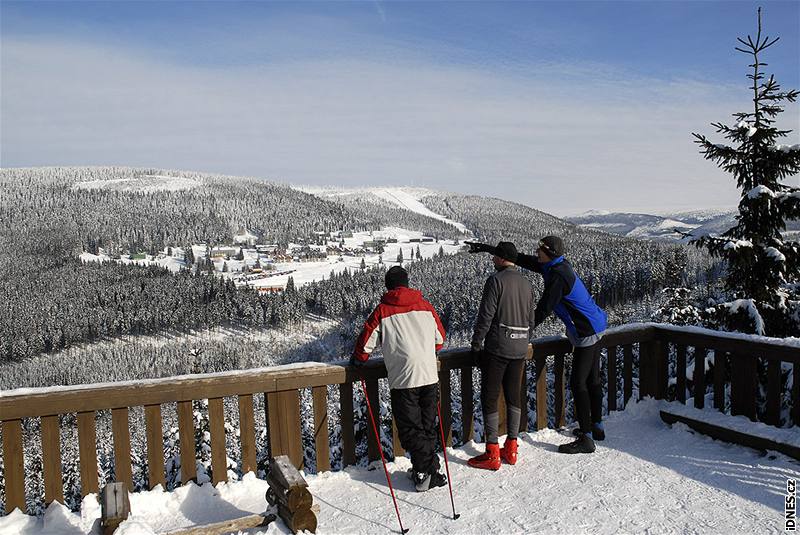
(499, 371)
(586, 388)
(414, 411)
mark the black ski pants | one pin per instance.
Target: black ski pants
(586, 387)
(415, 411)
(497, 371)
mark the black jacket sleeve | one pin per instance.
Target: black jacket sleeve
(554, 291)
(529, 262)
(486, 311)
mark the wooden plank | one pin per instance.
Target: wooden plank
(735, 437)
(647, 380)
(772, 414)
(680, 383)
(731, 344)
(661, 369)
(560, 395)
(122, 447)
(115, 506)
(228, 526)
(346, 419)
(699, 377)
(743, 385)
(627, 372)
(87, 449)
(541, 391)
(720, 365)
(467, 404)
(285, 436)
(446, 406)
(186, 437)
(216, 425)
(155, 446)
(796, 393)
(319, 395)
(247, 433)
(51, 460)
(372, 445)
(14, 465)
(611, 359)
(42, 402)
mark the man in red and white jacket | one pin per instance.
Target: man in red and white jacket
(410, 333)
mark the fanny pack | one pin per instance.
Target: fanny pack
(514, 333)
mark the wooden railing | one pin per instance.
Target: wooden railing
(656, 345)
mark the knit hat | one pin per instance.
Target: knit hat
(396, 276)
(553, 246)
(507, 251)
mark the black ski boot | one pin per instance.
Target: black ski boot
(583, 444)
(598, 432)
(438, 479)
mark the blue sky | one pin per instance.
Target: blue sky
(566, 106)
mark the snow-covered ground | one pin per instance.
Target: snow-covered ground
(645, 477)
(145, 183)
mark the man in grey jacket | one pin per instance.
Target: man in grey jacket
(502, 332)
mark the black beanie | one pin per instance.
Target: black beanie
(396, 276)
(553, 246)
(507, 251)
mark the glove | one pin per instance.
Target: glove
(476, 247)
(356, 362)
(476, 354)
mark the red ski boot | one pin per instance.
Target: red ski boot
(489, 460)
(509, 451)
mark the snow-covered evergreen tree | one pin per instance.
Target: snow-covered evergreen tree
(763, 267)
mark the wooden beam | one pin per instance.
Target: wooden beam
(627, 372)
(541, 392)
(735, 437)
(772, 414)
(680, 383)
(247, 433)
(611, 367)
(319, 395)
(372, 446)
(122, 447)
(346, 419)
(446, 406)
(87, 449)
(467, 404)
(720, 365)
(51, 460)
(14, 465)
(560, 394)
(186, 437)
(285, 437)
(155, 446)
(699, 377)
(216, 425)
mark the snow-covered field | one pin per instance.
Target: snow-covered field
(645, 477)
(145, 183)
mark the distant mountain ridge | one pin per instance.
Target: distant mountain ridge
(662, 227)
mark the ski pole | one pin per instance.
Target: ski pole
(383, 460)
(446, 466)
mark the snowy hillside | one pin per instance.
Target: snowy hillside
(645, 477)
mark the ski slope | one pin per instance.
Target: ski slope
(645, 477)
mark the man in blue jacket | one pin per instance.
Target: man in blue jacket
(567, 296)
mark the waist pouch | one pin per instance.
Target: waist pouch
(514, 340)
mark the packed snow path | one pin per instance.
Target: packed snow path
(645, 477)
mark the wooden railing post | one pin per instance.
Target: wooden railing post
(247, 433)
(14, 465)
(284, 426)
(680, 383)
(216, 424)
(186, 437)
(661, 368)
(560, 392)
(155, 446)
(346, 421)
(467, 404)
(122, 447)
(743, 385)
(720, 365)
(372, 445)
(611, 359)
(87, 449)
(699, 377)
(627, 373)
(772, 415)
(446, 405)
(540, 363)
(647, 369)
(51, 460)
(321, 440)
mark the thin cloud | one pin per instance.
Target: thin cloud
(593, 139)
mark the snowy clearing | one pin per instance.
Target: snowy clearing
(145, 183)
(645, 477)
